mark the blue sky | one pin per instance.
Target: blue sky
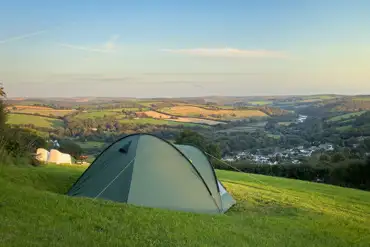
(184, 48)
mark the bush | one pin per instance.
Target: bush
(17, 145)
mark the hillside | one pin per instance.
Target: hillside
(193, 111)
(270, 212)
(39, 121)
(41, 110)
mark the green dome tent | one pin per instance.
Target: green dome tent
(145, 170)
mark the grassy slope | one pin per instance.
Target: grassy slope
(44, 111)
(192, 111)
(119, 117)
(270, 212)
(346, 116)
(156, 122)
(39, 121)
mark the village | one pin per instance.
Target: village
(292, 155)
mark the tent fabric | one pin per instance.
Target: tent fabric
(54, 156)
(145, 170)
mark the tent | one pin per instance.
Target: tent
(54, 156)
(145, 170)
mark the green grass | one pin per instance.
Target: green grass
(96, 114)
(250, 127)
(274, 136)
(269, 212)
(344, 128)
(19, 119)
(284, 123)
(260, 102)
(362, 98)
(155, 122)
(91, 144)
(346, 116)
(134, 109)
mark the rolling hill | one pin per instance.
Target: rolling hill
(269, 212)
(43, 111)
(193, 111)
(39, 121)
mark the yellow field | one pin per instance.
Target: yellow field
(157, 115)
(192, 111)
(45, 111)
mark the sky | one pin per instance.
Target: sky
(184, 48)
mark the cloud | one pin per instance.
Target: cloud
(23, 36)
(109, 46)
(228, 52)
(84, 48)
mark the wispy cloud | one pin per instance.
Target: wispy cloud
(109, 46)
(23, 36)
(229, 52)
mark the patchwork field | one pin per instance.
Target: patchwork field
(155, 122)
(21, 119)
(269, 212)
(250, 127)
(44, 111)
(96, 114)
(192, 111)
(158, 115)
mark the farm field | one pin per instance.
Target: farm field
(97, 114)
(158, 115)
(346, 116)
(134, 109)
(21, 119)
(270, 211)
(362, 98)
(91, 144)
(250, 127)
(44, 111)
(155, 122)
(260, 102)
(284, 123)
(344, 128)
(192, 111)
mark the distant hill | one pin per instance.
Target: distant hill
(335, 107)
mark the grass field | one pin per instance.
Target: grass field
(260, 102)
(158, 115)
(250, 127)
(154, 122)
(136, 109)
(192, 111)
(346, 116)
(344, 128)
(362, 98)
(18, 119)
(269, 212)
(91, 144)
(96, 114)
(45, 111)
(284, 123)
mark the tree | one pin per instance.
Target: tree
(70, 147)
(3, 116)
(189, 137)
(337, 157)
(2, 91)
